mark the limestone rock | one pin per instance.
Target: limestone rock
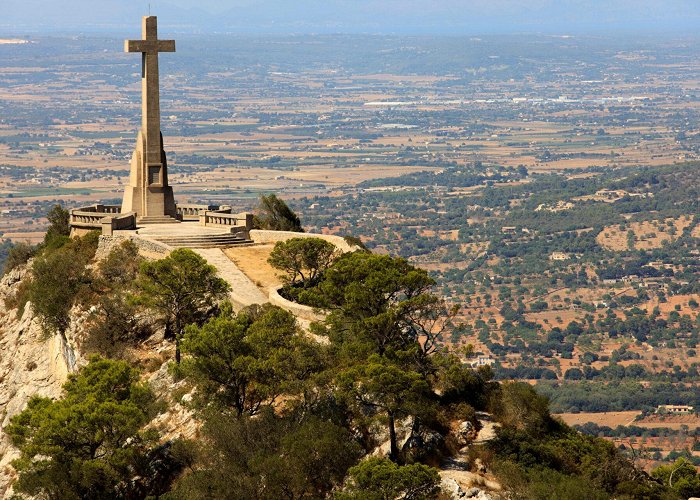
(455, 491)
(403, 433)
(177, 421)
(465, 433)
(31, 363)
(464, 484)
(422, 443)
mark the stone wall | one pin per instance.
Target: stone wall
(148, 248)
(269, 236)
(298, 310)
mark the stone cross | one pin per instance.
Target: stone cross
(148, 193)
(149, 47)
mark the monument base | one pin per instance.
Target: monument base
(150, 202)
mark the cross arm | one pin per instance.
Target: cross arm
(149, 46)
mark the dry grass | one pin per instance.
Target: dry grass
(611, 419)
(252, 261)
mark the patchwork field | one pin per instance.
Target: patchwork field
(645, 235)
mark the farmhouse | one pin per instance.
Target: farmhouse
(559, 256)
(674, 409)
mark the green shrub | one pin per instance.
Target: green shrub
(18, 255)
(89, 443)
(381, 479)
(276, 215)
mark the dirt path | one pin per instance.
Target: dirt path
(243, 290)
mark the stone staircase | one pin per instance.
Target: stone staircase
(221, 240)
(157, 219)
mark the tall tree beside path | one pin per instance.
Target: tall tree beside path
(182, 288)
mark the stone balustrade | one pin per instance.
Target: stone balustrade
(105, 217)
(192, 212)
(124, 221)
(86, 219)
(100, 209)
(270, 236)
(218, 218)
(238, 223)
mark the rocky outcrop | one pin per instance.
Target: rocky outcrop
(31, 364)
(458, 488)
(148, 248)
(35, 364)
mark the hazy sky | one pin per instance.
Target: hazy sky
(356, 16)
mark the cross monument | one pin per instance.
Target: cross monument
(148, 194)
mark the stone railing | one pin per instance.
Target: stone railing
(79, 218)
(192, 212)
(100, 209)
(270, 236)
(104, 217)
(242, 223)
(118, 222)
(299, 310)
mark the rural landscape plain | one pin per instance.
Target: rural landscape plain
(549, 184)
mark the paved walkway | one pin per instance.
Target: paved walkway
(243, 291)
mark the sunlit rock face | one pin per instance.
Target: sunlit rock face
(31, 364)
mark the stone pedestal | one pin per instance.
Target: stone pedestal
(148, 194)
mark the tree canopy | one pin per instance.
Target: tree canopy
(303, 260)
(59, 224)
(242, 362)
(89, 444)
(275, 214)
(183, 288)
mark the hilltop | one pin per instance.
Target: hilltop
(376, 385)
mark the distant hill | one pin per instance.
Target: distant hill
(367, 16)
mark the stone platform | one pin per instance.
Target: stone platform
(188, 235)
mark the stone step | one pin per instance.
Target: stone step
(200, 240)
(203, 241)
(157, 219)
(211, 245)
(213, 237)
(199, 236)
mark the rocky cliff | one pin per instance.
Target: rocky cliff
(35, 364)
(31, 363)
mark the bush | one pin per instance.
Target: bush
(303, 260)
(59, 225)
(267, 457)
(115, 327)
(276, 215)
(379, 479)
(19, 254)
(121, 266)
(89, 443)
(520, 407)
(58, 278)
